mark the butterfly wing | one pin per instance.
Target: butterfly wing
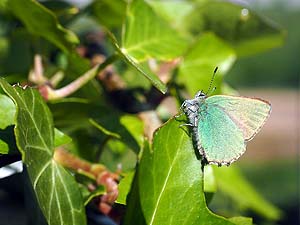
(249, 114)
(226, 123)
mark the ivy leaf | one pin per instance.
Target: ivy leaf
(243, 193)
(7, 114)
(56, 189)
(171, 180)
(42, 22)
(196, 70)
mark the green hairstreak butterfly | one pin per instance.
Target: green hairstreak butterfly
(222, 125)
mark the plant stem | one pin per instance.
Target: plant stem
(75, 163)
(37, 74)
(79, 82)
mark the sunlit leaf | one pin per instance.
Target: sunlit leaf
(198, 65)
(7, 141)
(209, 183)
(60, 138)
(42, 22)
(174, 12)
(124, 187)
(3, 147)
(56, 191)
(7, 111)
(171, 180)
(209, 179)
(148, 36)
(241, 220)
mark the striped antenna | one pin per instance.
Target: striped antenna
(212, 80)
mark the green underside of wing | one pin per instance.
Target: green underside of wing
(221, 139)
(249, 114)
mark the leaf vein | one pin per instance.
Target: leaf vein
(165, 183)
(40, 174)
(67, 193)
(33, 121)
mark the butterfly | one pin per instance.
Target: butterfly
(222, 125)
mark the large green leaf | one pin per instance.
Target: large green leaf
(231, 182)
(41, 21)
(148, 36)
(174, 12)
(247, 32)
(56, 189)
(171, 180)
(196, 70)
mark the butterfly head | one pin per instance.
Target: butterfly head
(190, 107)
(200, 94)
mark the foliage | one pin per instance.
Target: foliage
(106, 112)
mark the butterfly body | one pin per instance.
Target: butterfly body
(222, 125)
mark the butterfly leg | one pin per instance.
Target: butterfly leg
(181, 110)
(178, 115)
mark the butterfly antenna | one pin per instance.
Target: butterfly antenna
(212, 80)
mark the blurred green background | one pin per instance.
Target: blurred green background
(277, 68)
(271, 162)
